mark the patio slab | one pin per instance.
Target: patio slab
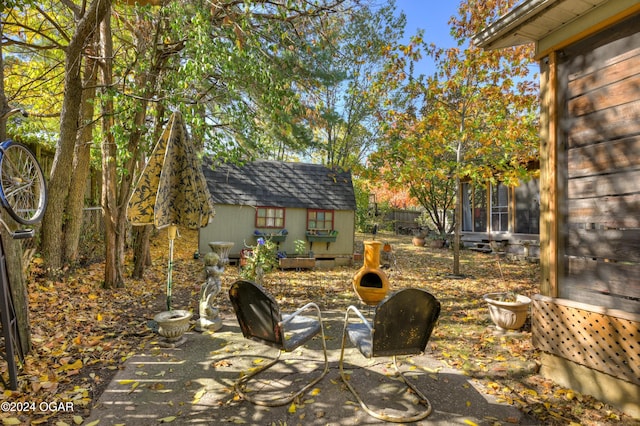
(193, 385)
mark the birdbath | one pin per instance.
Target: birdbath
(214, 268)
(222, 249)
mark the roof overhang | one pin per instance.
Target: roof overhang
(532, 20)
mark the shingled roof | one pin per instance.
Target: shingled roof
(280, 184)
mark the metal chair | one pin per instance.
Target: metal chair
(402, 324)
(260, 319)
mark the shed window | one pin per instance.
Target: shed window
(320, 219)
(270, 217)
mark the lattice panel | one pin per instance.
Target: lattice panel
(594, 339)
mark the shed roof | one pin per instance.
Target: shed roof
(532, 20)
(280, 184)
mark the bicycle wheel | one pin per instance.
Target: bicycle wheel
(23, 191)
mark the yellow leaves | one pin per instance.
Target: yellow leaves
(198, 396)
(76, 365)
(11, 421)
(167, 419)
(292, 408)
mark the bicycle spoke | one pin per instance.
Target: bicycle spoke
(22, 184)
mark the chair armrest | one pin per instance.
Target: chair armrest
(359, 314)
(306, 307)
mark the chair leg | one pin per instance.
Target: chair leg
(281, 401)
(240, 383)
(380, 415)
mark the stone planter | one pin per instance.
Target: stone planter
(507, 315)
(173, 324)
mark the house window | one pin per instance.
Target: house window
(499, 208)
(270, 217)
(320, 219)
(474, 208)
(528, 207)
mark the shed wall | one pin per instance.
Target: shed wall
(237, 224)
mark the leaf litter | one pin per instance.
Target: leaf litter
(82, 334)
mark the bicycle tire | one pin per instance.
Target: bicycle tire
(23, 191)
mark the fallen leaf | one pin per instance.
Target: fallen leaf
(198, 395)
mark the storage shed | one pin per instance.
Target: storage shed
(286, 202)
(586, 319)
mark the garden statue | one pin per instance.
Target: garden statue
(209, 319)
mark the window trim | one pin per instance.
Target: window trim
(266, 208)
(333, 217)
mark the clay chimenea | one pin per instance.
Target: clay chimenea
(370, 282)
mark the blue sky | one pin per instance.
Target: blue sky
(432, 16)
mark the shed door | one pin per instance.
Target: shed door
(599, 168)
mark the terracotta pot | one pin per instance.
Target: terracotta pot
(418, 241)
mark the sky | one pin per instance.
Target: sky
(432, 16)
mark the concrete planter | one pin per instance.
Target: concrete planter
(173, 324)
(507, 315)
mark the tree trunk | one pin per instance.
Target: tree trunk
(113, 276)
(62, 166)
(458, 215)
(81, 163)
(141, 252)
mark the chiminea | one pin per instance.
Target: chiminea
(370, 282)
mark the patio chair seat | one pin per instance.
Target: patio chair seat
(298, 330)
(360, 337)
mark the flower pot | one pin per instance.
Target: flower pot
(507, 315)
(418, 241)
(173, 324)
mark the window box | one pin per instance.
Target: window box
(321, 235)
(276, 237)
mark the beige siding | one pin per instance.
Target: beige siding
(237, 224)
